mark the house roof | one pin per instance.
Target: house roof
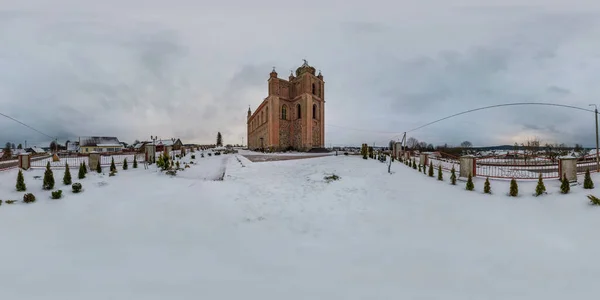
(166, 142)
(96, 141)
(36, 150)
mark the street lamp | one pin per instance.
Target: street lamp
(154, 138)
(597, 158)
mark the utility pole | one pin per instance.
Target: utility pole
(597, 158)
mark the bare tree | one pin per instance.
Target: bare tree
(466, 144)
(412, 143)
(422, 145)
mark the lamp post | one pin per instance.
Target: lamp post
(597, 158)
(154, 138)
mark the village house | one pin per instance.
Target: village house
(99, 144)
(175, 144)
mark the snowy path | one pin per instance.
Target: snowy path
(277, 230)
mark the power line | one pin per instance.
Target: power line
(11, 118)
(500, 105)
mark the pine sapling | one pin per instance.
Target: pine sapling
(425, 169)
(594, 200)
(430, 169)
(81, 174)
(113, 168)
(177, 165)
(514, 188)
(540, 188)
(453, 176)
(125, 166)
(565, 187)
(419, 168)
(135, 162)
(67, 176)
(587, 182)
(414, 164)
(84, 168)
(440, 174)
(470, 185)
(487, 188)
(21, 187)
(48, 178)
(98, 167)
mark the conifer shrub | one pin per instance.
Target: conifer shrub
(487, 187)
(202, 155)
(0, 202)
(57, 194)
(177, 165)
(10, 201)
(125, 166)
(81, 174)
(171, 172)
(565, 186)
(21, 187)
(440, 174)
(67, 177)
(419, 168)
(453, 176)
(209, 154)
(193, 156)
(85, 170)
(98, 167)
(540, 188)
(470, 185)
(514, 188)
(134, 162)
(48, 178)
(76, 187)
(112, 173)
(28, 198)
(593, 200)
(430, 169)
(588, 184)
(113, 167)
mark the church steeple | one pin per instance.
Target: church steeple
(249, 112)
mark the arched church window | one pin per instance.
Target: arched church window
(284, 112)
(314, 89)
(314, 111)
(299, 111)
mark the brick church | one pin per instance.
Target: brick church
(292, 116)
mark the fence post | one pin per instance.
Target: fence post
(424, 159)
(150, 153)
(24, 161)
(93, 160)
(467, 166)
(568, 166)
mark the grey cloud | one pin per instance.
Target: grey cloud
(558, 90)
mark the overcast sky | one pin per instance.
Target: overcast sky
(190, 68)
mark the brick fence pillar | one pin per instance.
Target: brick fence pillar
(567, 165)
(24, 161)
(467, 166)
(93, 160)
(424, 159)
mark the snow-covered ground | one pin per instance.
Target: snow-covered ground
(277, 230)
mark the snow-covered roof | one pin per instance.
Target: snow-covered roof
(139, 145)
(109, 145)
(94, 141)
(166, 142)
(36, 150)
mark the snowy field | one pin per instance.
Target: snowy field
(277, 230)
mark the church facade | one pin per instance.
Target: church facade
(293, 114)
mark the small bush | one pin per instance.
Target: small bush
(217, 153)
(191, 162)
(414, 164)
(346, 153)
(514, 188)
(171, 172)
(113, 167)
(470, 185)
(134, 162)
(187, 166)
(594, 200)
(332, 177)
(76, 187)
(453, 176)
(21, 187)
(565, 186)
(540, 188)
(487, 188)
(81, 174)
(125, 166)
(28, 198)
(84, 168)
(193, 156)
(430, 169)
(112, 173)
(209, 154)
(440, 174)
(10, 201)
(48, 178)
(98, 167)
(57, 194)
(67, 176)
(201, 155)
(0, 202)
(177, 165)
(419, 168)
(588, 184)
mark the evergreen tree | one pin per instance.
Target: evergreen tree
(419, 168)
(125, 166)
(514, 188)
(219, 139)
(470, 185)
(565, 187)
(177, 165)
(425, 169)
(440, 174)
(67, 176)
(487, 188)
(113, 167)
(134, 162)
(430, 169)
(540, 188)
(98, 167)
(21, 187)
(587, 182)
(48, 178)
(84, 168)
(81, 174)
(414, 164)
(453, 176)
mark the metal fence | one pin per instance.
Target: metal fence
(76, 160)
(516, 167)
